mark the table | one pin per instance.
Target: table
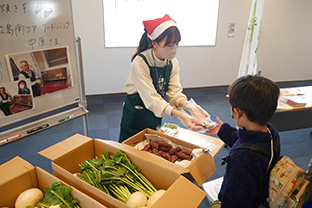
(288, 117)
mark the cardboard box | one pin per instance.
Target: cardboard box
(213, 144)
(200, 169)
(68, 154)
(17, 175)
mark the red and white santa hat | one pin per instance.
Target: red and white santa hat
(158, 26)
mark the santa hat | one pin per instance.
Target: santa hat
(157, 26)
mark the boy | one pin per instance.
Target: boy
(253, 102)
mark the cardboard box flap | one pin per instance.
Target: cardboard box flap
(65, 146)
(202, 168)
(13, 168)
(19, 172)
(182, 193)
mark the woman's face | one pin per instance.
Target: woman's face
(165, 52)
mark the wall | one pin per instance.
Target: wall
(106, 69)
(285, 52)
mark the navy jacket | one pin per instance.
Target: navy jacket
(245, 168)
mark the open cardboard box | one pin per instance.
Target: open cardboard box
(200, 169)
(68, 154)
(17, 175)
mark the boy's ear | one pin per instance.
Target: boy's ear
(236, 113)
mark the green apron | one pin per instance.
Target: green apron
(135, 116)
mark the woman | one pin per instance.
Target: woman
(154, 74)
(22, 88)
(5, 100)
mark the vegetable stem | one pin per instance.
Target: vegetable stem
(63, 200)
(115, 175)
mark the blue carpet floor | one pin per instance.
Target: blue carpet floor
(104, 120)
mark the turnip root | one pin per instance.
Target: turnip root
(136, 200)
(54, 206)
(154, 197)
(29, 197)
(76, 174)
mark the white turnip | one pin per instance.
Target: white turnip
(29, 197)
(154, 197)
(136, 200)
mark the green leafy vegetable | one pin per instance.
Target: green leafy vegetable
(115, 175)
(57, 194)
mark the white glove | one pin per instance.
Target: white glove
(188, 121)
(199, 113)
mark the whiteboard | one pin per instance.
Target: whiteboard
(42, 34)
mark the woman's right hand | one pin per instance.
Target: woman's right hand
(190, 122)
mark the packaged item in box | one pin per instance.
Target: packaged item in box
(169, 129)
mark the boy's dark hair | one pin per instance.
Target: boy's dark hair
(256, 96)
(173, 36)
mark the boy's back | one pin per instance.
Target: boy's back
(253, 102)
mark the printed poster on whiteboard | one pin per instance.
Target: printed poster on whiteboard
(48, 70)
(15, 97)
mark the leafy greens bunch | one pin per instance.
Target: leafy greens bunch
(57, 194)
(115, 175)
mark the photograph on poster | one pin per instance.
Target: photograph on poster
(15, 97)
(48, 70)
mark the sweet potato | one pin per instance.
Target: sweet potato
(173, 158)
(172, 151)
(190, 157)
(178, 149)
(154, 144)
(155, 151)
(166, 156)
(186, 151)
(146, 147)
(182, 155)
(163, 148)
(163, 143)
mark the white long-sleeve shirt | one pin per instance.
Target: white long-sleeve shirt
(140, 81)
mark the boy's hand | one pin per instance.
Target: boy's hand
(215, 130)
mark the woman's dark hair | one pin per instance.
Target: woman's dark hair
(256, 96)
(22, 81)
(173, 36)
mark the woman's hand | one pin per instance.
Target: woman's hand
(196, 110)
(215, 130)
(190, 122)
